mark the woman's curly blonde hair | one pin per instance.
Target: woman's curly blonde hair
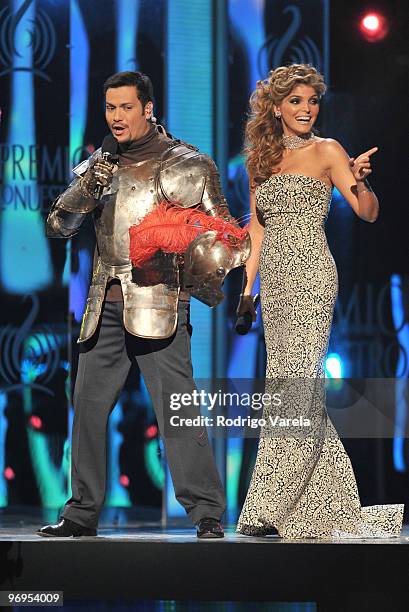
(263, 144)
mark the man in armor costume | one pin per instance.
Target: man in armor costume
(139, 313)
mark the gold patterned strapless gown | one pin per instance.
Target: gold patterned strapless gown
(302, 486)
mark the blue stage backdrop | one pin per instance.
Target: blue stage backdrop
(204, 58)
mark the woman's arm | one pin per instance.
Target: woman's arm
(256, 231)
(351, 182)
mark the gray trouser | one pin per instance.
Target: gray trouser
(166, 366)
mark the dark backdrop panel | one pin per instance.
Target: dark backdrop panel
(34, 90)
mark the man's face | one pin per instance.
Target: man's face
(125, 116)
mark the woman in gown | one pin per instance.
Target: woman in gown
(302, 486)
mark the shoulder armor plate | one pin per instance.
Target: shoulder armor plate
(183, 173)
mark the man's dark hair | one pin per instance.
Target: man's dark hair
(139, 80)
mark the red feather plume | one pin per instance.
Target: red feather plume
(171, 229)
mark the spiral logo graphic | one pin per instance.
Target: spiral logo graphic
(28, 354)
(277, 51)
(41, 39)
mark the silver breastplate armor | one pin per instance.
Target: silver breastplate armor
(150, 293)
(131, 196)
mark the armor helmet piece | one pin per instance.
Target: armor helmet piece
(207, 262)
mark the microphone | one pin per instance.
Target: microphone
(245, 321)
(109, 150)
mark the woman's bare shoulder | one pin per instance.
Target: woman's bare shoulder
(330, 149)
(328, 143)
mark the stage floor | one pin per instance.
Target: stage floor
(141, 561)
(146, 532)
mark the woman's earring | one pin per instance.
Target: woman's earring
(277, 115)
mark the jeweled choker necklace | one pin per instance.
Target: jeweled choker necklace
(295, 142)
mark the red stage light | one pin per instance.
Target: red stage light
(124, 480)
(371, 23)
(36, 422)
(151, 432)
(9, 473)
(373, 26)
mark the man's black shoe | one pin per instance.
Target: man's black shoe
(65, 529)
(209, 528)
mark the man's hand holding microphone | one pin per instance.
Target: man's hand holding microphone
(99, 176)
